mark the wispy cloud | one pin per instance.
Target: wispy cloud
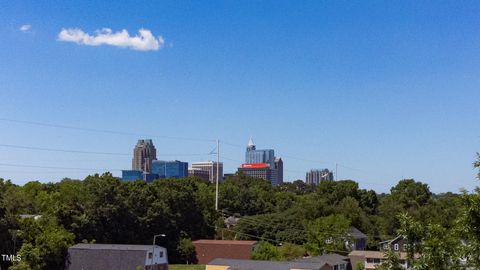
(144, 41)
(24, 28)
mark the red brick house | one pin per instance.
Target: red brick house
(208, 250)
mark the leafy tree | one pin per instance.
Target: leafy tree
(411, 194)
(360, 266)
(281, 227)
(469, 224)
(391, 262)
(327, 234)
(290, 251)
(441, 250)
(413, 233)
(335, 191)
(298, 187)
(368, 201)
(246, 195)
(407, 196)
(45, 244)
(8, 225)
(265, 251)
(186, 249)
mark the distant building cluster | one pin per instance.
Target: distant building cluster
(314, 177)
(262, 164)
(146, 167)
(259, 163)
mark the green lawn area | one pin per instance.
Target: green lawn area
(186, 267)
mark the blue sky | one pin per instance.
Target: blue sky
(386, 89)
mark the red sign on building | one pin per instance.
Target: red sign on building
(255, 165)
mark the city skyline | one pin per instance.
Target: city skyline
(386, 90)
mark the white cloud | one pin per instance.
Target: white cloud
(24, 28)
(144, 41)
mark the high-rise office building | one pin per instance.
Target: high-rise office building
(278, 171)
(200, 173)
(143, 155)
(262, 164)
(314, 177)
(211, 168)
(259, 170)
(253, 156)
(170, 169)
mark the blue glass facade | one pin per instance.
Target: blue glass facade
(132, 175)
(149, 177)
(170, 169)
(260, 156)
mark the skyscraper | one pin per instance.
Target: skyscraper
(262, 164)
(143, 155)
(211, 168)
(278, 171)
(253, 156)
(313, 177)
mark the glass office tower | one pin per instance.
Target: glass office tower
(170, 169)
(253, 155)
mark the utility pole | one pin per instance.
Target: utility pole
(218, 171)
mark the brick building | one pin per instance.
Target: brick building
(208, 250)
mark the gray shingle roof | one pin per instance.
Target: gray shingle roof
(106, 256)
(356, 233)
(330, 259)
(265, 265)
(113, 247)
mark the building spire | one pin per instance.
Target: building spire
(250, 142)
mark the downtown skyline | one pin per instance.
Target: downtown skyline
(387, 94)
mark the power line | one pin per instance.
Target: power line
(251, 220)
(62, 150)
(137, 135)
(102, 130)
(83, 152)
(54, 167)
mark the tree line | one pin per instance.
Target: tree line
(290, 220)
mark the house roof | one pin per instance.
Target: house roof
(330, 259)
(226, 242)
(107, 256)
(374, 254)
(356, 233)
(391, 240)
(113, 247)
(265, 265)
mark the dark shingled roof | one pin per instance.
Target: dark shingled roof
(265, 265)
(106, 256)
(330, 259)
(356, 233)
(113, 247)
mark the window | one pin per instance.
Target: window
(161, 254)
(369, 260)
(150, 255)
(343, 267)
(335, 267)
(395, 247)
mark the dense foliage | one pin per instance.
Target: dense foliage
(291, 220)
